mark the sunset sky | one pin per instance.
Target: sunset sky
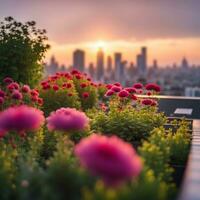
(169, 28)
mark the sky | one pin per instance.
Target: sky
(169, 28)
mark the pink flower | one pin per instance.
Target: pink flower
(7, 80)
(153, 86)
(67, 119)
(25, 89)
(110, 158)
(75, 71)
(116, 88)
(16, 95)
(109, 93)
(146, 102)
(78, 76)
(123, 93)
(85, 95)
(138, 86)
(154, 103)
(40, 101)
(21, 118)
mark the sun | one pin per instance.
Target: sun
(100, 44)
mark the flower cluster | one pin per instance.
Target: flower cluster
(16, 94)
(114, 160)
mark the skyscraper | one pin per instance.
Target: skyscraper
(79, 60)
(142, 60)
(100, 64)
(109, 65)
(118, 63)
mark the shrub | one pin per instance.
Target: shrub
(22, 49)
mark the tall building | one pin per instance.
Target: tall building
(100, 65)
(184, 63)
(91, 70)
(142, 60)
(79, 60)
(118, 65)
(109, 65)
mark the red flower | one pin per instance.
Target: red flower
(133, 97)
(70, 94)
(34, 93)
(109, 93)
(146, 102)
(116, 88)
(25, 89)
(68, 85)
(55, 87)
(123, 93)
(154, 103)
(131, 90)
(153, 86)
(7, 80)
(117, 84)
(16, 95)
(40, 101)
(34, 98)
(109, 86)
(138, 86)
(78, 76)
(85, 95)
(83, 85)
(75, 71)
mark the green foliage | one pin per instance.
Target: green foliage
(54, 100)
(22, 48)
(128, 123)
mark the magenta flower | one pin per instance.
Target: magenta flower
(25, 89)
(1, 100)
(21, 118)
(16, 95)
(110, 158)
(131, 90)
(67, 119)
(123, 94)
(138, 86)
(116, 88)
(109, 93)
(153, 86)
(147, 102)
(7, 80)
(2, 93)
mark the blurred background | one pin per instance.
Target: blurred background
(127, 41)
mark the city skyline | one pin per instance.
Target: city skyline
(170, 29)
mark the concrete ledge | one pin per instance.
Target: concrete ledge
(190, 189)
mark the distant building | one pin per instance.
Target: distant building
(118, 65)
(79, 60)
(91, 70)
(192, 92)
(100, 65)
(142, 60)
(52, 68)
(184, 64)
(109, 65)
